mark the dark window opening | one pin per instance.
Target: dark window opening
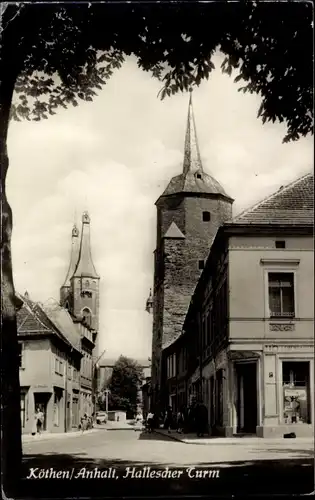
(280, 244)
(198, 176)
(205, 216)
(87, 316)
(201, 264)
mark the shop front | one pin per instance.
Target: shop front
(288, 391)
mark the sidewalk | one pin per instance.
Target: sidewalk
(28, 438)
(212, 440)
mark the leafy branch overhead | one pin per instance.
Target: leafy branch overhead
(67, 53)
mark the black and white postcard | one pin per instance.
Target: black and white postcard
(157, 259)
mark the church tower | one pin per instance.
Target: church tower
(189, 213)
(85, 280)
(80, 291)
(65, 290)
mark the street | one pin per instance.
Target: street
(260, 467)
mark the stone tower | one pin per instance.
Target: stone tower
(80, 292)
(189, 212)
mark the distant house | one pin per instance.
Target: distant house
(50, 358)
(106, 369)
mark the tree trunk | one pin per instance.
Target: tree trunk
(11, 446)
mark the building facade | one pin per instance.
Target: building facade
(249, 331)
(189, 212)
(49, 369)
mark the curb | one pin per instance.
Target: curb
(121, 429)
(174, 438)
(255, 441)
(33, 439)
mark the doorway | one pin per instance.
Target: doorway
(246, 397)
(41, 401)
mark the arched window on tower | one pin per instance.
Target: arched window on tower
(67, 306)
(87, 316)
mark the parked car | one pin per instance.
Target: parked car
(101, 417)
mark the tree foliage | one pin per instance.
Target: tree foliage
(67, 52)
(124, 385)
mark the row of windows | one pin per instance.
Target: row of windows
(59, 366)
(171, 366)
(86, 364)
(281, 304)
(59, 363)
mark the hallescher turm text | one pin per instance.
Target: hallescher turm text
(127, 473)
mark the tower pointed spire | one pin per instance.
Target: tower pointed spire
(85, 266)
(74, 255)
(192, 159)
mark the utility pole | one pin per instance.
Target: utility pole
(66, 392)
(95, 379)
(107, 391)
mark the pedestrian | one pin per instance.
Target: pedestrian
(150, 420)
(168, 422)
(34, 426)
(39, 417)
(84, 422)
(201, 419)
(180, 420)
(139, 422)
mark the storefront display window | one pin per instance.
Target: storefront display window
(296, 394)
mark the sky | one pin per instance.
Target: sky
(114, 157)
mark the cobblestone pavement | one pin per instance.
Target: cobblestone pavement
(260, 467)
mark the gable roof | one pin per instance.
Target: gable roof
(33, 319)
(61, 318)
(292, 204)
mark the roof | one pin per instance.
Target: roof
(30, 318)
(292, 204)
(198, 182)
(174, 232)
(33, 318)
(193, 179)
(60, 317)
